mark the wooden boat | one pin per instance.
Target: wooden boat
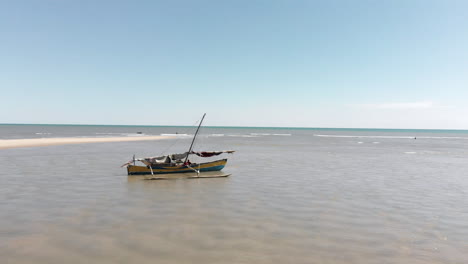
(216, 165)
(173, 164)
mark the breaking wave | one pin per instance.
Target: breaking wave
(401, 137)
(268, 134)
(177, 135)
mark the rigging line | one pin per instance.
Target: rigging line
(185, 131)
(197, 171)
(170, 146)
(200, 138)
(194, 137)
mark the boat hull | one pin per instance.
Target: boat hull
(216, 165)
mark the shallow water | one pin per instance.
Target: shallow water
(298, 196)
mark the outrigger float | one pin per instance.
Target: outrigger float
(168, 166)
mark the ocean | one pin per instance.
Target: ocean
(295, 195)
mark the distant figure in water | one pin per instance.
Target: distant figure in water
(414, 137)
(176, 133)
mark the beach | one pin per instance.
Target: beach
(40, 142)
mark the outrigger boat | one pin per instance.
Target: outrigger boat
(178, 163)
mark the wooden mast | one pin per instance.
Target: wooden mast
(193, 140)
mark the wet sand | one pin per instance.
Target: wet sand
(40, 142)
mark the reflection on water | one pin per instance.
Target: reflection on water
(297, 199)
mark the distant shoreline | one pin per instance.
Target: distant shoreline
(442, 130)
(41, 142)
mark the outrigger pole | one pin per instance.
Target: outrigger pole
(193, 140)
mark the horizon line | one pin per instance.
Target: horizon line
(259, 127)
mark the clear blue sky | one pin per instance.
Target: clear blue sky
(386, 64)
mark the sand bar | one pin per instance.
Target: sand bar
(39, 142)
